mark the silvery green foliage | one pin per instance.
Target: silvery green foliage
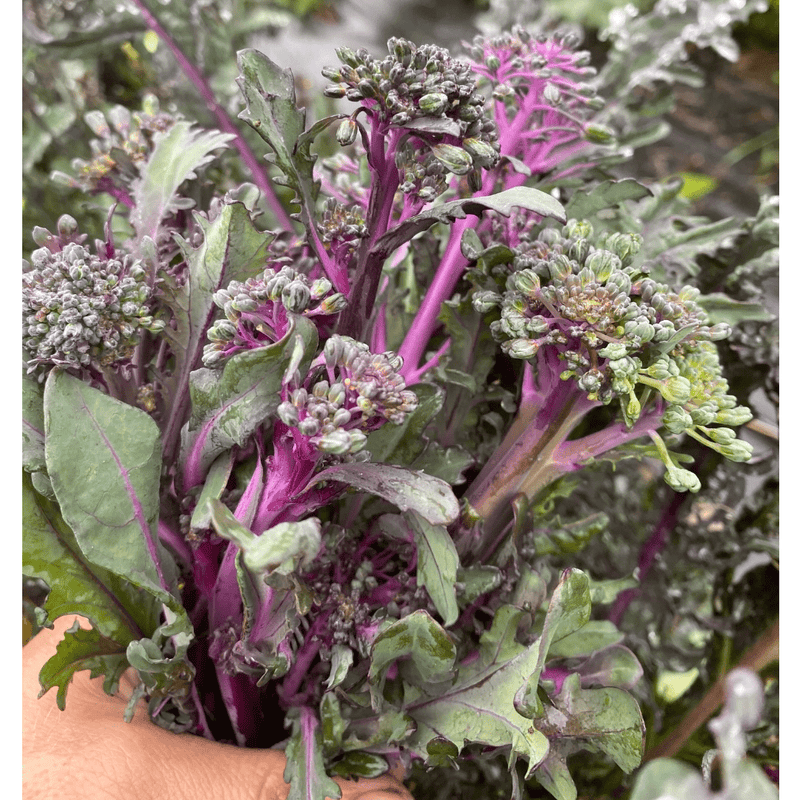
(657, 42)
(742, 779)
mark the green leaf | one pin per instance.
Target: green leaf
(104, 461)
(305, 766)
(271, 110)
(605, 592)
(332, 724)
(679, 248)
(503, 203)
(116, 608)
(721, 308)
(594, 635)
(446, 463)
(605, 719)
(418, 637)
(432, 498)
(377, 730)
(569, 610)
(281, 549)
(359, 764)
(341, 661)
(232, 249)
(667, 777)
(81, 649)
(437, 566)
(613, 666)
(480, 706)
(216, 480)
(269, 618)
(553, 774)
(586, 203)
(32, 425)
(401, 444)
(229, 404)
(478, 580)
(177, 154)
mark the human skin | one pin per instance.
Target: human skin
(88, 752)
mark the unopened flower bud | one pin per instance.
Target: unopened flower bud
(296, 297)
(485, 300)
(308, 426)
(577, 229)
(483, 154)
(346, 132)
(333, 304)
(603, 264)
(720, 435)
(336, 442)
(453, 158)
(521, 348)
(704, 414)
(718, 332)
(288, 414)
(676, 390)
(733, 416)
(347, 56)
(342, 417)
(676, 419)
(526, 281)
(66, 225)
(738, 451)
(560, 267)
(682, 480)
(433, 104)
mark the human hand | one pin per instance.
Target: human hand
(88, 752)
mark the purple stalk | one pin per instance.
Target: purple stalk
(238, 691)
(173, 540)
(426, 320)
(120, 195)
(305, 657)
(650, 550)
(259, 173)
(385, 181)
(571, 456)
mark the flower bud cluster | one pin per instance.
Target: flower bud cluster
(421, 173)
(424, 90)
(543, 78)
(80, 309)
(619, 335)
(257, 310)
(360, 393)
(125, 140)
(342, 226)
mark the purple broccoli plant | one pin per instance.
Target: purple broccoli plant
(303, 461)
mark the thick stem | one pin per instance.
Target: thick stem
(259, 173)
(527, 464)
